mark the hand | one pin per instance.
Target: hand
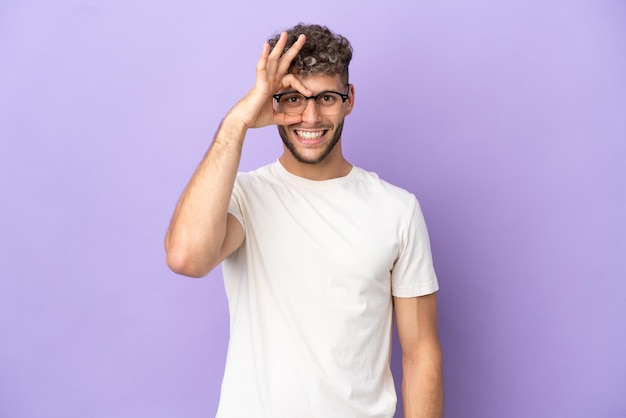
(256, 108)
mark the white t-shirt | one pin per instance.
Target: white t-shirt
(310, 293)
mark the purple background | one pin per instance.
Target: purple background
(506, 119)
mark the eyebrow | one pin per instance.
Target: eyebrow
(316, 94)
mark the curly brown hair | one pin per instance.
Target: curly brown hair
(323, 53)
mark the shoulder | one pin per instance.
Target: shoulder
(258, 177)
(371, 183)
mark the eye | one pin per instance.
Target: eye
(291, 98)
(327, 99)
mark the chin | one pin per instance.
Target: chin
(310, 155)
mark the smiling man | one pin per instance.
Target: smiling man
(318, 254)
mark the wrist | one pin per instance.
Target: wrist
(233, 122)
(252, 109)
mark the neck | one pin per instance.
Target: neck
(331, 167)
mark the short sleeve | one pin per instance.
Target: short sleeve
(413, 273)
(234, 206)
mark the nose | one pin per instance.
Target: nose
(311, 113)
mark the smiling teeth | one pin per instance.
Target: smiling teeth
(310, 135)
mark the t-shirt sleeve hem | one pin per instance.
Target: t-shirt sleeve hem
(237, 215)
(417, 290)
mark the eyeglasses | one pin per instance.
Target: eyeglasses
(327, 102)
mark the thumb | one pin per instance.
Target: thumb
(286, 119)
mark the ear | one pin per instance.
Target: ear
(350, 101)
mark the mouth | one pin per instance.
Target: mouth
(310, 137)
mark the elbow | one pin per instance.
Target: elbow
(426, 354)
(183, 263)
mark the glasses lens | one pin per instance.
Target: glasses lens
(329, 103)
(292, 103)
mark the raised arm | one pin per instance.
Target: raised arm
(202, 233)
(422, 380)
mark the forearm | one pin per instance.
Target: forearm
(198, 227)
(422, 385)
(201, 233)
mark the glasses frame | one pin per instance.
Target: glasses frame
(343, 96)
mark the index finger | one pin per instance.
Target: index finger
(291, 80)
(290, 54)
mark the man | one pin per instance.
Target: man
(317, 253)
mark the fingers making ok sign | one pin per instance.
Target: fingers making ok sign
(271, 76)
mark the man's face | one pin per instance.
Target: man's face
(316, 136)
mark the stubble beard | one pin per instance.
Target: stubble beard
(282, 131)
